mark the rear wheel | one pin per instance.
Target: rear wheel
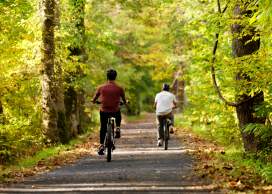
(166, 135)
(109, 142)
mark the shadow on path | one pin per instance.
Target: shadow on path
(138, 166)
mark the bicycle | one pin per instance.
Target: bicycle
(166, 135)
(109, 138)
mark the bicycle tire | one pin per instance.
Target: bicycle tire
(166, 134)
(109, 142)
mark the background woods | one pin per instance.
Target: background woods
(54, 53)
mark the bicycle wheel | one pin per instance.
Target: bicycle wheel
(109, 142)
(166, 135)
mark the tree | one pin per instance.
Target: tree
(48, 80)
(62, 123)
(246, 41)
(75, 96)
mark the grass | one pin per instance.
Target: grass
(252, 168)
(132, 118)
(250, 161)
(45, 154)
(51, 151)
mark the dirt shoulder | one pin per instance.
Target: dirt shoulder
(213, 163)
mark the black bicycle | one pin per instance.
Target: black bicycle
(109, 138)
(166, 136)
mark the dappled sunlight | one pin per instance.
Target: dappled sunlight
(213, 56)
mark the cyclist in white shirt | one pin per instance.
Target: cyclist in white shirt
(165, 101)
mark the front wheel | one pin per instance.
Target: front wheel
(109, 143)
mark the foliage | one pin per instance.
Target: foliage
(205, 109)
(147, 42)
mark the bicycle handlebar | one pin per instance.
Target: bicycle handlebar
(98, 102)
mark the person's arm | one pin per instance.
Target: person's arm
(123, 96)
(175, 102)
(155, 102)
(96, 96)
(155, 105)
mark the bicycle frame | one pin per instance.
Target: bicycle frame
(166, 121)
(109, 139)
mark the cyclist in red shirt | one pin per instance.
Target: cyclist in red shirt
(109, 94)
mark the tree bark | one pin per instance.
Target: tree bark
(1, 113)
(1, 108)
(59, 88)
(178, 88)
(75, 98)
(49, 116)
(245, 42)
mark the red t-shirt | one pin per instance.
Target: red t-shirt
(110, 94)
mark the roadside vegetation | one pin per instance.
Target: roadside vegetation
(215, 54)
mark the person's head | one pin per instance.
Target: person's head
(165, 87)
(111, 74)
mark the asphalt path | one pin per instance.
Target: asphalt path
(137, 166)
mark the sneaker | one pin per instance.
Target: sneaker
(101, 150)
(118, 132)
(171, 129)
(159, 143)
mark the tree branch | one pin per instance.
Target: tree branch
(215, 84)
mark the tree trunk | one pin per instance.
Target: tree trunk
(178, 88)
(245, 42)
(1, 113)
(48, 51)
(1, 108)
(75, 99)
(59, 88)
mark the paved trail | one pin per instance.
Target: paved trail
(138, 166)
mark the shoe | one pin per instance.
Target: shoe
(171, 129)
(101, 150)
(117, 133)
(159, 143)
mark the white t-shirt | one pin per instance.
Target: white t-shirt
(164, 101)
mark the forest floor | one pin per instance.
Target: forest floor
(138, 166)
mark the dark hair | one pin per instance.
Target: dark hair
(165, 87)
(111, 74)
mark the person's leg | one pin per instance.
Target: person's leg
(172, 119)
(103, 131)
(118, 119)
(160, 130)
(171, 127)
(103, 126)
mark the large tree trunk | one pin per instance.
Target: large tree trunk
(246, 42)
(59, 88)
(48, 96)
(75, 98)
